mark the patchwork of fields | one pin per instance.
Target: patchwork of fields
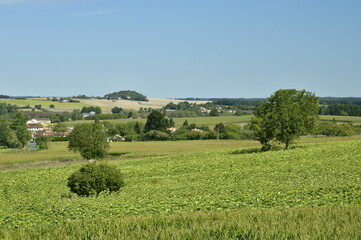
(215, 182)
(199, 121)
(59, 107)
(106, 105)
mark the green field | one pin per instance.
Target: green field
(341, 118)
(331, 222)
(58, 154)
(60, 107)
(210, 194)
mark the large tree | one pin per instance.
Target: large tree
(8, 136)
(155, 121)
(90, 140)
(286, 115)
(18, 125)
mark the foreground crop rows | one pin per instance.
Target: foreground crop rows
(312, 175)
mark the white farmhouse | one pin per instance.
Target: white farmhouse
(43, 121)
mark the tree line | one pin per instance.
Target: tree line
(340, 110)
(14, 133)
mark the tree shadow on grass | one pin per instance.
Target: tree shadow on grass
(117, 154)
(248, 151)
(260, 150)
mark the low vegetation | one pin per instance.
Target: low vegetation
(317, 176)
(214, 189)
(260, 224)
(94, 178)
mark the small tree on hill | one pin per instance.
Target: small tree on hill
(90, 140)
(286, 115)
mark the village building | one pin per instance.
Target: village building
(172, 129)
(196, 130)
(35, 127)
(205, 110)
(43, 121)
(88, 114)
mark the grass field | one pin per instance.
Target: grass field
(312, 190)
(341, 118)
(58, 154)
(119, 151)
(60, 107)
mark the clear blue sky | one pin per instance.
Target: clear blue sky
(180, 48)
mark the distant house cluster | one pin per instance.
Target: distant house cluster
(88, 114)
(173, 129)
(40, 127)
(205, 110)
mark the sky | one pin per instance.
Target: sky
(180, 48)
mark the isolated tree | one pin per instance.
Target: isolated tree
(90, 140)
(286, 115)
(155, 121)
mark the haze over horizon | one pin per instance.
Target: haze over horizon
(179, 49)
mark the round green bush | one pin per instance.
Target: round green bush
(94, 178)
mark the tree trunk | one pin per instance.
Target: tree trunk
(287, 144)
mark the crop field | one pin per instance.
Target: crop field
(331, 222)
(58, 154)
(314, 188)
(60, 107)
(58, 151)
(154, 103)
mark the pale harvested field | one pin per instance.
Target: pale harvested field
(135, 105)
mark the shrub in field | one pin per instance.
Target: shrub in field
(42, 142)
(334, 129)
(94, 178)
(155, 135)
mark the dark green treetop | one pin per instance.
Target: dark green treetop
(155, 121)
